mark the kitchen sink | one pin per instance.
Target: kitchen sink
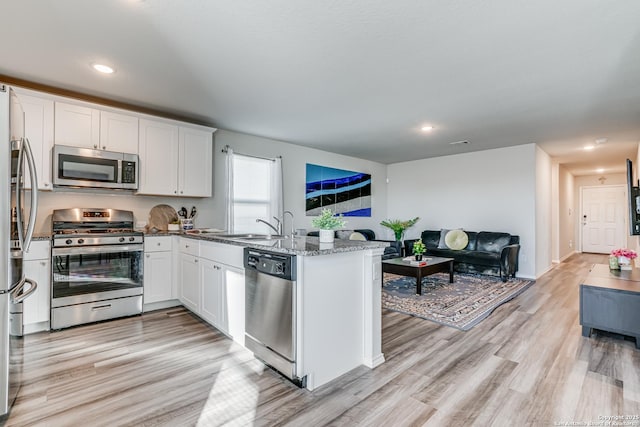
(250, 236)
(261, 237)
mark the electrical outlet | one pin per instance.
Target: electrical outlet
(570, 244)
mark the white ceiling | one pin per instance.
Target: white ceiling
(356, 77)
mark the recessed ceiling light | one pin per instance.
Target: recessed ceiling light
(427, 128)
(589, 147)
(601, 141)
(103, 68)
(599, 170)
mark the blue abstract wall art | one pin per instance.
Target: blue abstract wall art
(342, 191)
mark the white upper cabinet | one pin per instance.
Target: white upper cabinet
(158, 151)
(86, 127)
(174, 160)
(77, 126)
(118, 132)
(195, 163)
(38, 115)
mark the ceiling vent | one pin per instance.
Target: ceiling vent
(459, 142)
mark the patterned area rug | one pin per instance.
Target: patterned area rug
(461, 305)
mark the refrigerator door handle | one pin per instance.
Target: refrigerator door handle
(19, 294)
(25, 150)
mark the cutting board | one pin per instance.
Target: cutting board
(160, 216)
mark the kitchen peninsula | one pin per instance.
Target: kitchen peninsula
(337, 297)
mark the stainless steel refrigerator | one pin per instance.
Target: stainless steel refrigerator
(15, 237)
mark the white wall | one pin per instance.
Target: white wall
(211, 210)
(294, 160)
(567, 214)
(543, 202)
(140, 205)
(491, 190)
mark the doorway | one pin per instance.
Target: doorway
(602, 221)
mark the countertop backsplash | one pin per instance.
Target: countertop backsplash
(139, 205)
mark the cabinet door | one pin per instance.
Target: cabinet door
(158, 151)
(77, 126)
(158, 273)
(233, 302)
(36, 306)
(211, 285)
(118, 132)
(189, 282)
(38, 122)
(196, 163)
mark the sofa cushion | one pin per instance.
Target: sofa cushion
(473, 236)
(492, 242)
(478, 258)
(456, 240)
(431, 238)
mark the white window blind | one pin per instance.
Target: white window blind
(252, 193)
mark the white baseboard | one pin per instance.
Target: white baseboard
(160, 305)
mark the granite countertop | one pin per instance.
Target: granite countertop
(41, 237)
(305, 245)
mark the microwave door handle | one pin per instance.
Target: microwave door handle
(33, 210)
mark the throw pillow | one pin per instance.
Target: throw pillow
(456, 240)
(357, 236)
(343, 234)
(442, 244)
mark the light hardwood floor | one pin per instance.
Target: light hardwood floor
(526, 364)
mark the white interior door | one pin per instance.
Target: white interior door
(603, 223)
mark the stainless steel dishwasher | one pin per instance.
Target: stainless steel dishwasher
(270, 310)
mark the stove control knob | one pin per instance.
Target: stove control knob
(80, 241)
(131, 239)
(121, 239)
(68, 241)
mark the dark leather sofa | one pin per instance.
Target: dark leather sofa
(394, 250)
(486, 253)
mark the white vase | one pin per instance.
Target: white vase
(326, 236)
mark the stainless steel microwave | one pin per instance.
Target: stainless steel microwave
(84, 167)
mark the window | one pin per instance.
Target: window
(254, 193)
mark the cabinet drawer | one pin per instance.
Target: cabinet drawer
(157, 244)
(38, 249)
(190, 246)
(220, 252)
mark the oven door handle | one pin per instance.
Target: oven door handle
(81, 250)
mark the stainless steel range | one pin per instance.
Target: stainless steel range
(97, 265)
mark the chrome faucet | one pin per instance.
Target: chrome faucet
(278, 229)
(293, 228)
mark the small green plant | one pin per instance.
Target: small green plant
(418, 247)
(399, 226)
(328, 221)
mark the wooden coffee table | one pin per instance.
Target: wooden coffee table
(404, 268)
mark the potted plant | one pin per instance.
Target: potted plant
(418, 249)
(399, 226)
(327, 222)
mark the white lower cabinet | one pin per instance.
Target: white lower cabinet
(211, 284)
(233, 301)
(37, 266)
(212, 289)
(158, 277)
(189, 282)
(158, 273)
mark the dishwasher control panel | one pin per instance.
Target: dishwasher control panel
(270, 263)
